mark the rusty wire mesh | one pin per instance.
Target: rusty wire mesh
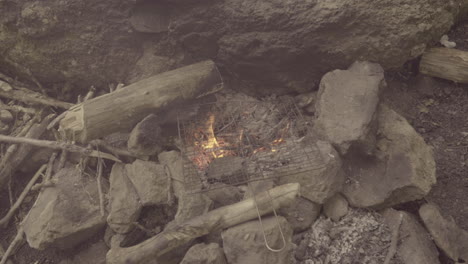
(255, 140)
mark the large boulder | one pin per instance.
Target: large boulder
(402, 169)
(347, 102)
(65, 214)
(277, 45)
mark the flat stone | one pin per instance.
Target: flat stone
(150, 181)
(346, 103)
(222, 194)
(125, 205)
(65, 214)
(145, 138)
(450, 238)
(204, 254)
(6, 116)
(416, 246)
(402, 169)
(336, 207)
(301, 214)
(244, 243)
(322, 177)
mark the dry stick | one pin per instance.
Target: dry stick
(393, 245)
(56, 120)
(116, 151)
(19, 238)
(62, 160)
(17, 108)
(2, 252)
(6, 219)
(11, 162)
(33, 97)
(46, 181)
(99, 179)
(59, 146)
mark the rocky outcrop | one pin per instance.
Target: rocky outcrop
(278, 46)
(402, 169)
(65, 214)
(346, 104)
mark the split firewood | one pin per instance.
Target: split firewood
(11, 162)
(217, 219)
(122, 109)
(445, 63)
(6, 219)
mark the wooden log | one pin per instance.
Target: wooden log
(450, 64)
(122, 109)
(217, 219)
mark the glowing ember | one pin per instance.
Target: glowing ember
(210, 146)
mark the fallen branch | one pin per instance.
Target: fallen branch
(99, 183)
(394, 243)
(28, 96)
(217, 219)
(17, 241)
(11, 162)
(58, 146)
(6, 219)
(2, 252)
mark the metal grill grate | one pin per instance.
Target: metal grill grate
(255, 140)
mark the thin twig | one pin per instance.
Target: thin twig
(56, 120)
(99, 179)
(62, 160)
(116, 151)
(394, 243)
(90, 94)
(2, 252)
(4, 221)
(46, 181)
(33, 97)
(17, 108)
(17, 241)
(58, 145)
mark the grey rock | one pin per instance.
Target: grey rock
(65, 214)
(416, 246)
(244, 243)
(96, 254)
(150, 181)
(223, 194)
(204, 254)
(301, 214)
(346, 103)
(125, 205)
(144, 140)
(402, 170)
(447, 235)
(192, 205)
(336, 207)
(173, 161)
(323, 179)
